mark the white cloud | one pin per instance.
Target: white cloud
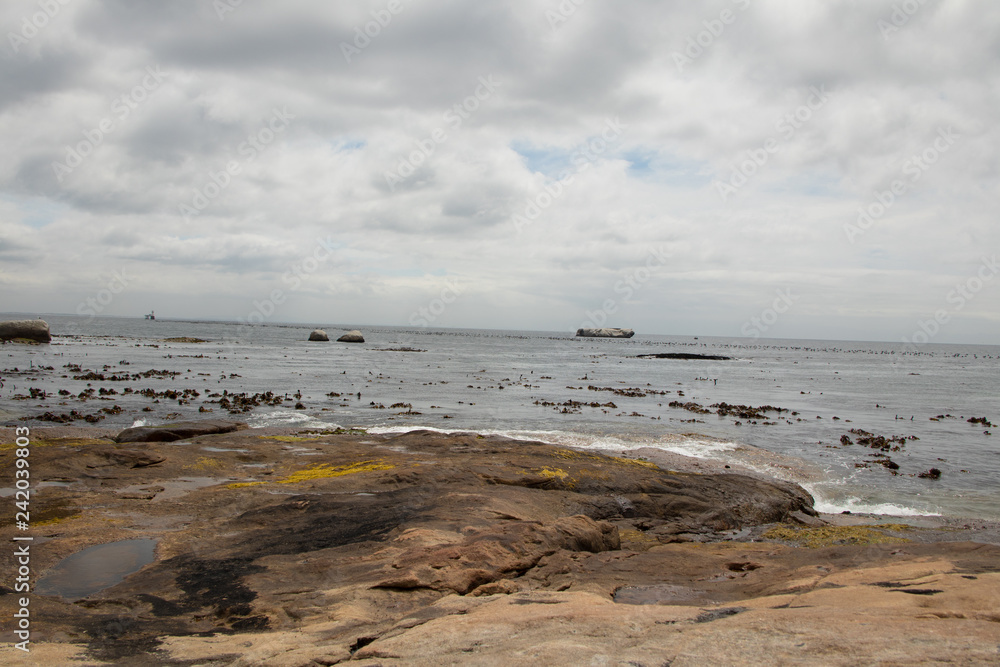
(323, 176)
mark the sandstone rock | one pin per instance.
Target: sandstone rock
(605, 333)
(351, 337)
(178, 431)
(493, 554)
(35, 330)
(318, 335)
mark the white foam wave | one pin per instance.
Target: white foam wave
(697, 447)
(139, 422)
(767, 463)
(287, 418)
(827, 505)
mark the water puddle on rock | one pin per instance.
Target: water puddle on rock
(96, 568)
(170, 489)
(658, 594)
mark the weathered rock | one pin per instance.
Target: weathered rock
(129, 458)
(178, 431)
(35, 330)
(428, 548)
(352, 337)
(318, 335)
(605, 333)
(497, 553)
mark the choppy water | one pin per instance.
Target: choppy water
(507, 382)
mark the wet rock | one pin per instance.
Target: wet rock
(177, 431)
(933, 473)
(318, 335)
(352, 337)
(605, 333)
(32, 330)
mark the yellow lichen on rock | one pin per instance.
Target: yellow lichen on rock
(65, 442)
(570, 455)
(206, 464)
(634, 462)
(321, 471)
(325, 470)
(636, 540)
(242, 485)
(54, 520)
(825, 536)
(553, 472)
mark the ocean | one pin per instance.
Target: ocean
(904, 411)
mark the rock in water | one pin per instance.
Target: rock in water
(683, 355)
(605, 333)
(36, 330)
(319, 335)
(352, 337)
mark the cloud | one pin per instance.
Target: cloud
(756, 136)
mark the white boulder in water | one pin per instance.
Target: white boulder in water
(605, 333)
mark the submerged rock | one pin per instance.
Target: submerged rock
(33, 330)
(318, 335)
(683, 355)
(605, 333)
(352, 337)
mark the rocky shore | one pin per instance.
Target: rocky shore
(303, 548)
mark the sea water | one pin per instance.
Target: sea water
(540, 385)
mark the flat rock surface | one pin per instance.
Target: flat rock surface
(315, 548)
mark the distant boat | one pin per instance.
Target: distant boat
(152, 315)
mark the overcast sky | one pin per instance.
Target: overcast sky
(677, 168)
